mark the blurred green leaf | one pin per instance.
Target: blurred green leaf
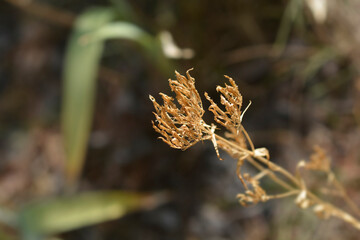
(128, 31)
(292, 12)
(66, 213)
(80, 72)
(123, 30)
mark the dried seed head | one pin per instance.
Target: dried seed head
(231, 118)
(180, 127)
(257, 194)
(318, 160)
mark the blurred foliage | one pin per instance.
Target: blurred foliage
(86, 46)
(67, 213)
(79, 87)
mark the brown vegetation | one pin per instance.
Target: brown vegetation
(181, 125)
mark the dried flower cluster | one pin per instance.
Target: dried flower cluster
(181, 125)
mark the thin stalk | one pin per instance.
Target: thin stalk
(271, 175)
(279, 169)
(335, 211)
(262, 160)
(284, 195)
(248, 138)
(344, 194)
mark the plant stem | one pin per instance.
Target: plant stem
(345, 196)
(255, 159)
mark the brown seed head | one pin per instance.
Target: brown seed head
(318, 160)
(257, 194)
(231, 118)
(180, 127)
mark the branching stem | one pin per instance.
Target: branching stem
(182, 127)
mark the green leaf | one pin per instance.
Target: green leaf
(67, 213)
(80, 72)
(122, 30)
(131, 32)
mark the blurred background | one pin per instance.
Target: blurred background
(79, 158)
